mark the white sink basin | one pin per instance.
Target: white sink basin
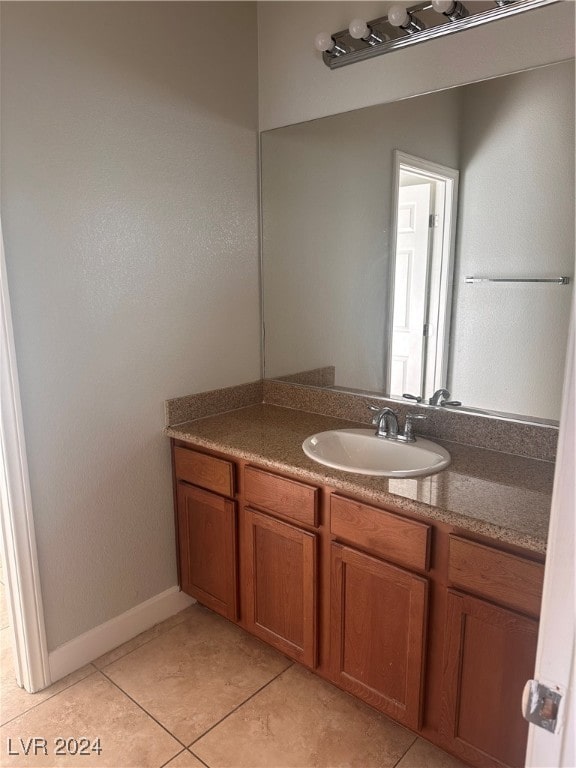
(359, 450)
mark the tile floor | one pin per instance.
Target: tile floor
(197, 691)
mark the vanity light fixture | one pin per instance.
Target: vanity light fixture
(399, 16)
(404, 26)
(326, 43)
(452, 9)
(359, 30)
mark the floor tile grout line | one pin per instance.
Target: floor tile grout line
(403, 755)
(56, 693)
(198, 758)
(232, 711)
(173, 758)
(124, 655)
(94, 669)
(143, 709)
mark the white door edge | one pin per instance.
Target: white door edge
(19, 554)
(555, 661)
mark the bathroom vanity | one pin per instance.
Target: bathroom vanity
(420, 596)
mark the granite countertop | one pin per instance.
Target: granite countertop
(495, 494)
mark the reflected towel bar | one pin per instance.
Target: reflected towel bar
(555, 280)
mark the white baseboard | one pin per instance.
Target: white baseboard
(105, 637)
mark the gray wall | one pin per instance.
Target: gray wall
(294, 84)
(519, 130)
(130, 219)
(327, 191)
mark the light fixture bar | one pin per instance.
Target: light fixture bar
(446, 27)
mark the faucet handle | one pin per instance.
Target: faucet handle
(453, 403)
(408, 436)
(377, 411)
(378, 408)
(417, 398)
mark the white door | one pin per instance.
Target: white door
(410, 277)
(555, 660)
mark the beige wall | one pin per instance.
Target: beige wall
(327, 194)
(130, 218)
(295, 85)
(520, 129)
(129, 210)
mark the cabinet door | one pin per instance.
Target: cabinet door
(281, 585)
(378, 625)
(207, 541)
(489, 655)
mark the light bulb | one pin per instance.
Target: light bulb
(452, 9)
(358, 29)
(324, 42)
(398, 16)
(443, 6)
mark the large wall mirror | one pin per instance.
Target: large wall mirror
(330, 219)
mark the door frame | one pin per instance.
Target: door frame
(435, 172)
(19, 554)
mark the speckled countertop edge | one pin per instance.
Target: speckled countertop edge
(481, 480)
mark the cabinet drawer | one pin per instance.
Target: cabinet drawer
(288, 498)
(499, 576)
(395, 538)
(203, 470)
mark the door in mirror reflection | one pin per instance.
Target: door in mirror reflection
(410, 279)
(425, 207)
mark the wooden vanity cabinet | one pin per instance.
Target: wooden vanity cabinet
(280, 593)
(434, 629)
(489, 653)
(379, 610)
(206, 528)
(378, 621)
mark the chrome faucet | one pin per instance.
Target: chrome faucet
(386, 423)
(440, 394)
(441, 397)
